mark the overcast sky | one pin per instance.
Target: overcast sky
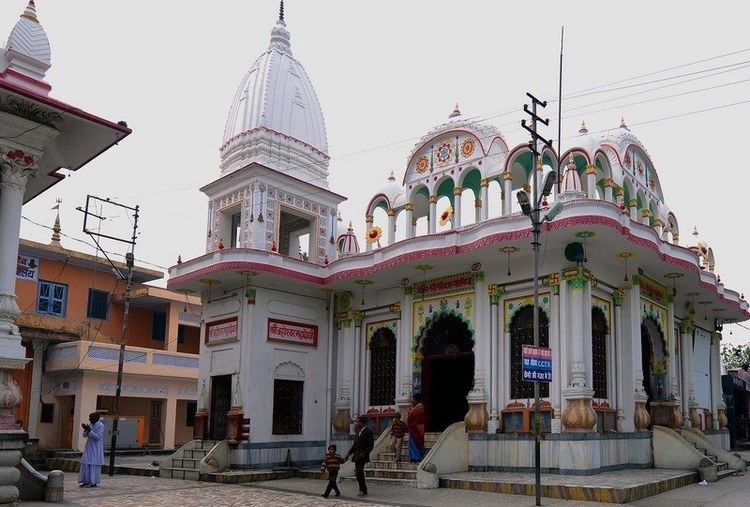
(385, 72)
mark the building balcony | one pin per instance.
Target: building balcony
(95, 356)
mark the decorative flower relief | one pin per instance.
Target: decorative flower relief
(374, 234)
(444, 152)
(652, 183)
(639, 165)
(467, 147)
(628, 162)
(446, 215)
(19, 158)
(422, 164)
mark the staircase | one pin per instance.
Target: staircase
(722, 469)
(185, 463)
(384, 469)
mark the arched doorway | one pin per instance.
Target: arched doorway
(599, 333)
(522, 333)
(447, 370)
(383, 367)
(653, 361)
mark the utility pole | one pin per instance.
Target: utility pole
(128, 278)
(533, 213)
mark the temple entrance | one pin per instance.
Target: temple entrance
(447, 371)
(653, 361)
(221, 400)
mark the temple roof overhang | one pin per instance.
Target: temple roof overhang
(610, 232)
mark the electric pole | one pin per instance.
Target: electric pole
(128, 278)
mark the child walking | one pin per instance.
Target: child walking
(332, 462)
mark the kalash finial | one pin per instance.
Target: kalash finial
(56, 229)
(30, 12)
(456, 111)
(392, 177)
(623, 125)
(695, 231)
(583, 129)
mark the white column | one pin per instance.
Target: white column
(508, 192)
(494, 372)
(484, 196)
(35, 402)
(170, 420)
(555, 389)
(715, 372)
(482, 362)
(608, 190)
(633, 204)
(409, 210)
(619, 355)
(404, 389)
(368, 225)
(391, 226)
(564, 367)
(356, 395)
(672, 386)
(588, 336)
(478, 206)
(646, 217)
(686, 356)
(432, 221)
(578, 370)
(456, 222)
(591, 181)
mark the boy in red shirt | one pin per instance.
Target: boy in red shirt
(332, 462)
(398, 430)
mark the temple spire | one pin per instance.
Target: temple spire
(56, 229)
(281, 10)
(30, 12)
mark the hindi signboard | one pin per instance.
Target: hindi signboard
(536, 363)
(221, 331)
(27, 268)
(292, 332)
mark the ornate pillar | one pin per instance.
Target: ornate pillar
(646, 217)
(35, 392)
(659, 227)
(369, 219)
(345, 364)
(200, 425)
(359, 353)
(555, 388)
(608, 183)
(477, 209)
(484, 199)
(432, 220)
(686, 356)
(391, 225)
(715, 378)
(619, 199)
(673, 399)
(617, 297)
(591, 181)
(641, 417)
(633, 204)
(476, 418)
(578, 415)
(404, 383)
(507, 192)
(495, 292)
(456, 222)
(409, 210)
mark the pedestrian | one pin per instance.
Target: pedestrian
(93, 454)
(332, 462)
(398, 430)
(415, 417)
(360, 452)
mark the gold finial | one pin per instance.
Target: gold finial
(583, 129)
(30, 12)
(456, 111)
(392, 177)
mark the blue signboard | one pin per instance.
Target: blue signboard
(537, 363)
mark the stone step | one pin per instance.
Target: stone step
(198, 454)
(192, 463)
(205, 444)
(721, 466)
(409, 475)
(180, 473)
(384, 480)
(725, 473)
(389, 456)
(391, 465)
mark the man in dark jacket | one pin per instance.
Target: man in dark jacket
(360, 451)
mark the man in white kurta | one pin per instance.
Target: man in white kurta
(93, 454)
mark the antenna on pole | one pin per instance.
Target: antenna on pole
(559, 108)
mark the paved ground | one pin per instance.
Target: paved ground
(129, 491)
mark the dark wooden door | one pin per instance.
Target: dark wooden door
(221, 400)
(154, 423)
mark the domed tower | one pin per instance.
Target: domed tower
(272, 193)
(27, 56)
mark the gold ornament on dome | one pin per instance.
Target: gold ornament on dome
(446, 216)
(374, 234)
(422, 164)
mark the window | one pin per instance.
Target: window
(48, 413)
(287, 407)
(98, 304)
(192, 407)
(159, 328)
(235, 230)
(599, 352)
(52, 299)
(522, 333)
(181, 333)
(295, 235)
(383, 367)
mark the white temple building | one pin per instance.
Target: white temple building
(296, 345)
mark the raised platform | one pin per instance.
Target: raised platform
(620, 486)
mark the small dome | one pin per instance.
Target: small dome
(28, 50)
(347, 243)
(585, 140)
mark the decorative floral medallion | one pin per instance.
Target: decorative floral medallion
(446, 215)
(422, 164)
(628, 162)
(374, 234)
(444, 152)
(639, 166)
(19, 158)
(467, 147)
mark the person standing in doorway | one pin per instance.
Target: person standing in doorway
(398, 430)
(360, 452)
(93, 454)
(415, 418)
(332, 463)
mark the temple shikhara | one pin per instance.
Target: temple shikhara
(308, 324)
